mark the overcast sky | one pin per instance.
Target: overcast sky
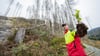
(89, 9)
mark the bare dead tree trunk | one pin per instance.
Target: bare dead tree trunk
(20, 35)
(17, 10)
(8, 9)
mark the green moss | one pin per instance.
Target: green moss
(12, 37)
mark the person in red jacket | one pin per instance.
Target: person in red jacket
(72, 39)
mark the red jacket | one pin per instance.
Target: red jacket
(75, 48)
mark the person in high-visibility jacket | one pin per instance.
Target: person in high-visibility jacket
(72, 40)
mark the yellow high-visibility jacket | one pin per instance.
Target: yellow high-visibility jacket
(69, 37)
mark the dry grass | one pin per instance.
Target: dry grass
(36, 43)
